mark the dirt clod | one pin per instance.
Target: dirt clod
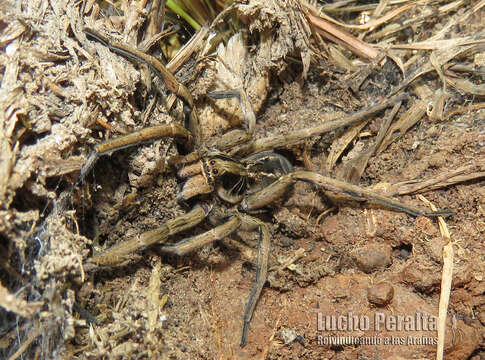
(380, 294)
(372, 257)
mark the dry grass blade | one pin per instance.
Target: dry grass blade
(439, 59)
(465, 109)
(14, 30)
(188, 49)
(300, 253)
(403, 124)
(380, 8)
(10, 107)
(466, 86)
(32, 336)
(340, 59)
(433, 59)
(438, 105)
(342, 142)
(422, 16)
(446, 279)
(437, 44)
(154, 300)
(473, 171)
(342, 8)
(374, 22)
(354, 169)
(331, 32)
(59, 166)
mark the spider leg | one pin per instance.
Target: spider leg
(119, 252)
(159, 70)
(141, 136)
(219, 232)
(276, 189)
(236, 137)
(155, 65)
(298, 136)
(359, 193)
(243, 100)
(273, 191)
(261, 274)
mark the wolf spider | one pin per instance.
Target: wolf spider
(235, 177)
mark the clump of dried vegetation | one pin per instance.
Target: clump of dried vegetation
(60, 94)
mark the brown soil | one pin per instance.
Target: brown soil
(357, 258)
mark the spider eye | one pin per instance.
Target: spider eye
(212, 162)
(215, 171)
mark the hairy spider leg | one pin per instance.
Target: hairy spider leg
(133, 139)
(192, 243)
(118, 253)
(220, 232)
(159, 70)
(299, 136)
(275, 190)
(261, 275)
(236, 136)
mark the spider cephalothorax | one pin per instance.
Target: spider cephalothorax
(230, 178)
(211, 173)
(235, 178)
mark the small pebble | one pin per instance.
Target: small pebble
(380, 294)
(288, 336)
(372, 257)
(434, 248)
